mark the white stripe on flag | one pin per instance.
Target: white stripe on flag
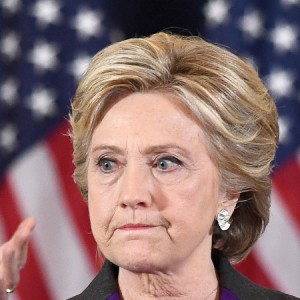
(278, 250)
(37, 189)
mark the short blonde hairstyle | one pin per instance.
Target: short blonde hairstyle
(224, 93)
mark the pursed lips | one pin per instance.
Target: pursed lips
(136, 226)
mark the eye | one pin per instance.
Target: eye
(168, 163)
(106, 165)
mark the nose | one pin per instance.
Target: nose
(135, 188)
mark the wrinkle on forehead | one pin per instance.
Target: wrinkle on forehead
(165, 116)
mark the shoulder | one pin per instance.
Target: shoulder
(241, 286)
(245, 289)
(103, 285)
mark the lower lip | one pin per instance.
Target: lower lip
(136, 227)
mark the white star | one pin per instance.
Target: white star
(290, 2)
(280, 83)
(8, 91)
(284, 37)
(11, 6)
(87, 23)
(251, 24)
(8, 138)
(10, 45)
(79, 65)
(42, 103)
(284, 130)
(46, 12)
(43, 56)
(216, 12)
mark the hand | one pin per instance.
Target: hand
(13, 255)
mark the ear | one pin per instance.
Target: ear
(229, 201)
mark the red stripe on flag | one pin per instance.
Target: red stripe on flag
(61, 150)
(286, 180)
(252, 269)
(32, 285)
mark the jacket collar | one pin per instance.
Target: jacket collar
(105, 283)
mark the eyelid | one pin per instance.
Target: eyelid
(105, 157)
(170, 158)
(167, 156)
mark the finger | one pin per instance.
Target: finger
(10, 269)
(3, 294)
(20, 241)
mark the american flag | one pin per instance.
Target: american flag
(45, 46)
(267, 34)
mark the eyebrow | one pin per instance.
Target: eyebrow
(164, 147)
(146, 150)
(107, 147)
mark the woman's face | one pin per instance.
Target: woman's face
(153, 191)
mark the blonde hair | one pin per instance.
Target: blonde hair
(224, 93)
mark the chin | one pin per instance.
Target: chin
(137, 261)
(140, 266)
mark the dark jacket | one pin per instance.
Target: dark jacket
(105, 283)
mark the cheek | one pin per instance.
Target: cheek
(199, 191)
(100, 197)
(101, 210)
(196, 201)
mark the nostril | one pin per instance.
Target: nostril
(141, 204)
(133, 204)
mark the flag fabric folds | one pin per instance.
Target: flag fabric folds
(267, 34)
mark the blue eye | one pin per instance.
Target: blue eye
(106, 164)
(168, 163)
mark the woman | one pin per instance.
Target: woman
(173, 140)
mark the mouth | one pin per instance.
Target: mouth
(136, 226)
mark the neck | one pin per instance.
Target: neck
(196, 282)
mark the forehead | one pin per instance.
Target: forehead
(149, 119)
(159, 109)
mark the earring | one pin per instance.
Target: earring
(224, 219)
